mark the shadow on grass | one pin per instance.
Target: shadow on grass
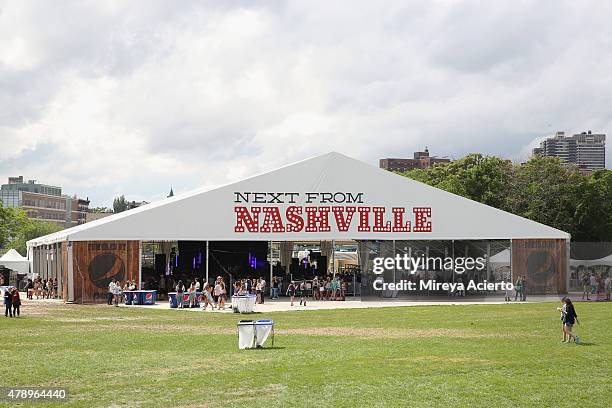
(265, 348)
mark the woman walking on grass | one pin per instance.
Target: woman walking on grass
(569, 317)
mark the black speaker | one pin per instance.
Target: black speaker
(160, 264)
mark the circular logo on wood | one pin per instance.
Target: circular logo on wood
(105, 267)
(542, 267)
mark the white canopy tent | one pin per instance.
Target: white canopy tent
(14, 261)
(331, 180)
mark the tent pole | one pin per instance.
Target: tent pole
(139, 264)
(207, 251)
(269, 284)
(489, 260)
(333, 243)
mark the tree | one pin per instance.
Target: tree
(16, 228)
(544, 189)
(119, 204)
(30, 229)
(593, 216)
(100, 210)
(485, 179)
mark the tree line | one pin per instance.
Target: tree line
(543, 189)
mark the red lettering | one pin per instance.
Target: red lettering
(273, 217)
(243, 217)
(379, 224)
(295, 223)
(343, 223)
(398, 220)
(421, 219)
(318, 215)
(364, 219)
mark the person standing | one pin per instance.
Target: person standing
(263, 290)
(518, 287)
(117, 293)
(524, 289)
(291, 291)
(16, 302)
(303, 293)
(258, 291)
(8, 303)
(30, 289)
(274, 288)
(585, 285)
(111, 290)
(180, 300)
(315, 288)
(222, 295)
(608, 286)
(192, 295)
(593, 282)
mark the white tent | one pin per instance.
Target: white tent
(346, 193)
(14, 261)
(501, 258)
(605, 261)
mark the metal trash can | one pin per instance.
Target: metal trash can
(254, 333)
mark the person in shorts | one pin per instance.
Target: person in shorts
(303, 293)
(569, 317)
(291, 291)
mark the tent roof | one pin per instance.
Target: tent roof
(209, 214)
(13, 256)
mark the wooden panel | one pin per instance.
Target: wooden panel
(543, 262)
(97, 262)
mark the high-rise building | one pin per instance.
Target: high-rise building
(586, 150)
(44, 202)
(420, 160)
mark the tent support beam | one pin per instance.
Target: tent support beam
(207, 251)
(139, 264)
(269, 284)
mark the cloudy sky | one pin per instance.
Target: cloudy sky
(105, 98)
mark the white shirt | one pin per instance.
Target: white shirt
(197, 286)
(111, 287)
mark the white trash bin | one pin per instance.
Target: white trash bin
(254, 333)
(244, 304)
(246, 334)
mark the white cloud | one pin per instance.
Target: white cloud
(129, 97)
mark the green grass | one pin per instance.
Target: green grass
(430, 356)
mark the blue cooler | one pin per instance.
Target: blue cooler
(172, 300)
(148, 297)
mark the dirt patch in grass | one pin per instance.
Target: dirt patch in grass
(384, 333)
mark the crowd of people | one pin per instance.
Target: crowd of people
(214, 295)
(115, 291)
(329, 288)
(41, 288)
(596, 284)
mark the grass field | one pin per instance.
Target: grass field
(430, 356)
